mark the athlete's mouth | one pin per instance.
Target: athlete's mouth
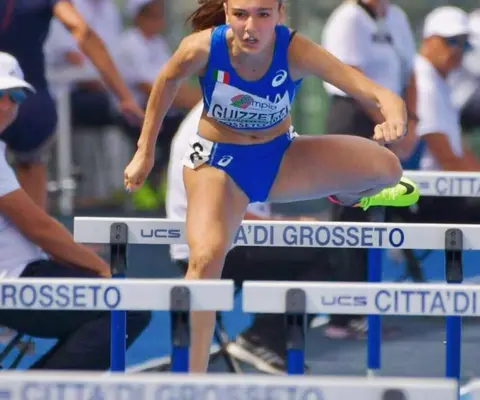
(250, 40)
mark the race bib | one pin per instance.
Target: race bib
(198, 153)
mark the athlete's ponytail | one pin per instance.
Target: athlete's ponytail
(210, 13)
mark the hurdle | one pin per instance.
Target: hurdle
(83, 386)
(179, 297)
(308, 234)
(430, 183)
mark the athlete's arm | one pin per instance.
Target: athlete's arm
(308, 58)
(439, 147)
(190, 58)
(89, 42)
(49, 234)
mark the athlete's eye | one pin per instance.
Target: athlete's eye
(264, 14)
(239, 14)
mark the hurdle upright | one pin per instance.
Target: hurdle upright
(155, 231)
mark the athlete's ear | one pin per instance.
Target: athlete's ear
(225, 8)
(281, 11)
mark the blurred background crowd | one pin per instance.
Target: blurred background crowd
(141, 35)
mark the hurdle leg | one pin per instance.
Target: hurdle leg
(374, 332)
(118, 319)
(180, 301)
(453, 328)
(295, 313)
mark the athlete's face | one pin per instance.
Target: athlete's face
(253, 22)
(8, 109)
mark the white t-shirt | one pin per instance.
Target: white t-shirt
(141, 58)
(15, 249)
(176, 200)
(435, 110)
(349, 35)
(465, 80)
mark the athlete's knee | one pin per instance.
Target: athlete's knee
(388, 168)
(206, 262)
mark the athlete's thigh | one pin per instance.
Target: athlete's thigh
(318, 166)
(215, 208)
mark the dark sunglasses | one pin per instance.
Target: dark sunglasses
(460, 42)
(16, 95)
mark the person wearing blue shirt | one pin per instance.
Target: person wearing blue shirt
(24, 26)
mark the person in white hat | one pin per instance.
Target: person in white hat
(34, 245)
(143, 52)
(445, 42)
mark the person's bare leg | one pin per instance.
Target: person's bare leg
(216, 207)
(349, 167)
(33, 179)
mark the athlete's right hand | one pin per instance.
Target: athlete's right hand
(137, 170)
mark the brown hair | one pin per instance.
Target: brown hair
(209, 13)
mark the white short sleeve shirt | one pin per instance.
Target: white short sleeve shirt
(435, 110)
(16, 250)
(357, 39)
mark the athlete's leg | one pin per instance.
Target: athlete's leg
(349, 167)
(216, 207)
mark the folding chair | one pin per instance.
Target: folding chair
(15, 340)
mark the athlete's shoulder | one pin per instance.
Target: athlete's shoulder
(196, 46)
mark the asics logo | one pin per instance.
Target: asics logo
(410, 188)
(279, 78)
(225, 160)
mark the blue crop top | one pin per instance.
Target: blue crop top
(248, 105)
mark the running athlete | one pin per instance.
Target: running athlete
(250, 66)
(24, 26)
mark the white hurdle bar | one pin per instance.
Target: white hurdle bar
(177, 296)
(446, 184)
(119, 232)
(83, 386)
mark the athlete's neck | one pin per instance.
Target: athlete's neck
(241, 58)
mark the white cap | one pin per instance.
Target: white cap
(11, 75)
(446, 21)
(134, 6)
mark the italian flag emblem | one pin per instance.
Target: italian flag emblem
(221, 76)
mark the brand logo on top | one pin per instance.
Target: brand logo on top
(280, 77)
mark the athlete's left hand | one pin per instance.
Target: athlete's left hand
(390, 131)
(132, 112)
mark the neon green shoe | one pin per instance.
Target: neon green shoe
(404, 194)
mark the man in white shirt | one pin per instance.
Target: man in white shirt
(34, 245)
(142, 53)
(445, 40)
(263, 343)
(465, 81)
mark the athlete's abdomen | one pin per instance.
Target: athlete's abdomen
(215, 131)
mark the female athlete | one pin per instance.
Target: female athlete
(250, 66)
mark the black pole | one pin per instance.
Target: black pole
(180, 303)
(295, 317)
(454, 275)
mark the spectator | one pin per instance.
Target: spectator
(96, 142)
(374, 37)
(24, 28)
(263, 343)
(143, 52)
(465, 81)
(445, 40)
(34, 245)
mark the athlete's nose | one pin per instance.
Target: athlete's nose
(250, 26)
